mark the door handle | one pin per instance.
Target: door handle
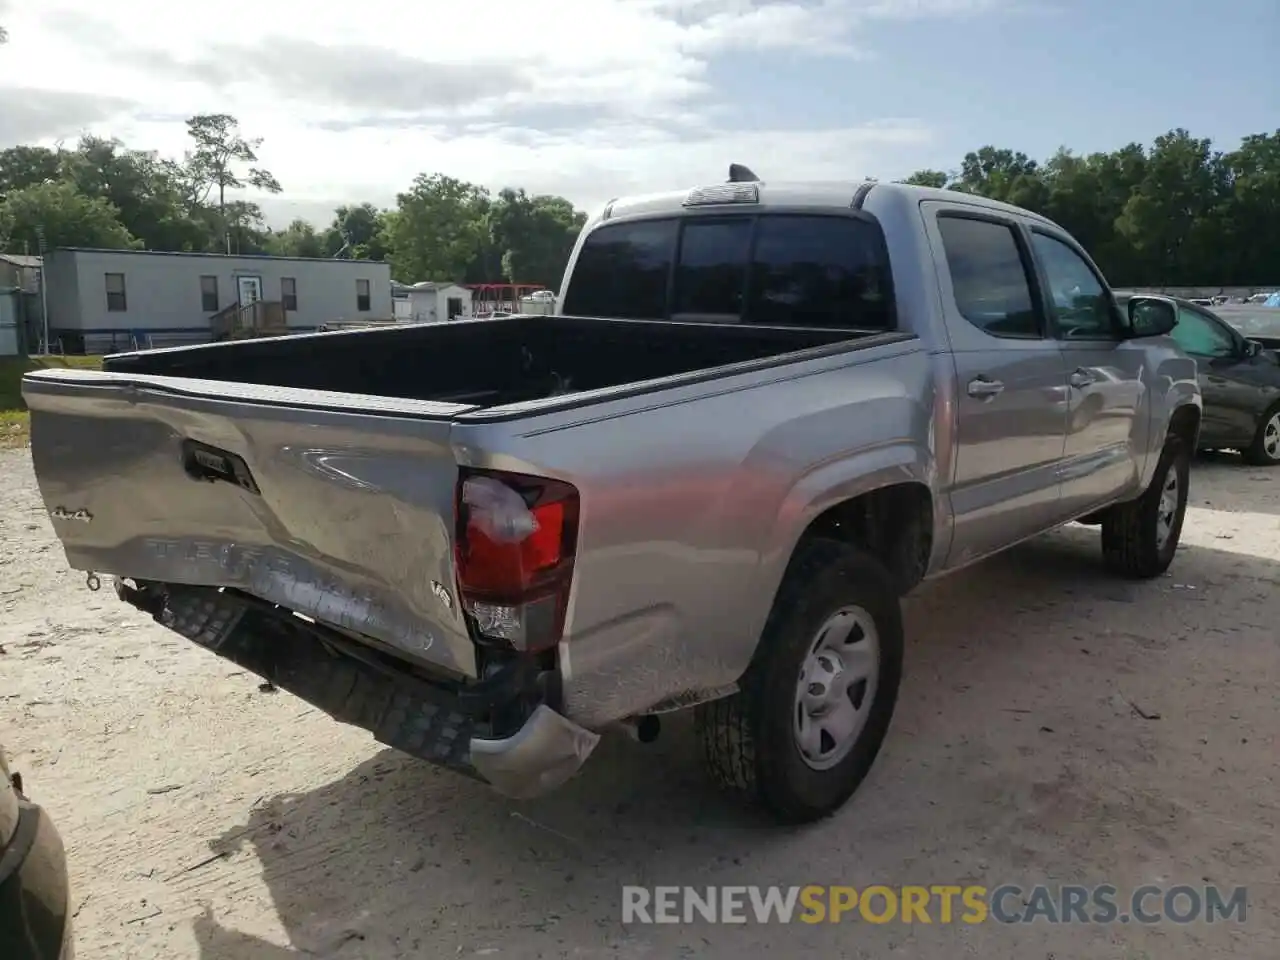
(984, 388)
(1081, 379)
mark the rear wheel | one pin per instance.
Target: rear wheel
(814, 707)
(1265, 449)
(1140, 538)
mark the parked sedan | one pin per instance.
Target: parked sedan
(35, 923)
(1239, 381)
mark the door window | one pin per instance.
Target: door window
(1083, 308)
(1202, 337)
(989, 277)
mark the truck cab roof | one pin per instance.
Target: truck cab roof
(819, 193)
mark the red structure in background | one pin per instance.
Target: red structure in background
(489, 298)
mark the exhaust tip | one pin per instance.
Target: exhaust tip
(647, 728)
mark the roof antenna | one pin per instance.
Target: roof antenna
(740, 174)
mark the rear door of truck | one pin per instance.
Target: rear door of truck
(339, 507)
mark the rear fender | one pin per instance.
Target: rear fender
(835, 482)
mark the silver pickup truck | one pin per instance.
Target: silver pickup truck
(763, 413)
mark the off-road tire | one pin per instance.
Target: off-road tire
(747, 739)
(1256, 453)
(1130, 545)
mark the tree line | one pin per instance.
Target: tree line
(103, 193)
(1176, 213)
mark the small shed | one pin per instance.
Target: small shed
(20, 271)
(438, 301)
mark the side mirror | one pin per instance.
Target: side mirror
(1252, 348)
(1152, 316)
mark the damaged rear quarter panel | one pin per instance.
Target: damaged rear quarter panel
(690, 503)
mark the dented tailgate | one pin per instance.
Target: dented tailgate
(339, 507)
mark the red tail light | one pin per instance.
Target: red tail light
(514, 548)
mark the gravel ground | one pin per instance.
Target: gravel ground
(1055, 726)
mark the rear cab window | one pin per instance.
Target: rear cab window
(767, 269)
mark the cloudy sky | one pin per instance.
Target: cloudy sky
(596, 98)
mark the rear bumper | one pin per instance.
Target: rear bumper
(545, 752)
(467, 728)
(35, 919)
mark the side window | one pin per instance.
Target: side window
(989, 277)
(812, 271)
(712, 273)
(116, 300)
(1201, 337)
(1083, 308)
(209, 294)
(622, 271)
(364, 301)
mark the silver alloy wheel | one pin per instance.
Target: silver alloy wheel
(1271, 438)
(837, 687)
(1168, 508)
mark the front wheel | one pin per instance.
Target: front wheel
(813, 709)
(1139, 538)
(1265, 449)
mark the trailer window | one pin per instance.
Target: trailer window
(622, 271)
(816, 271)
(116, 301)
(209, 294)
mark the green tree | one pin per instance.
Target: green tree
(993, 172)
(66, 217)
(25, 166)
(212, 167)
(1171, 220)
(1251, 211)
(299, 239)
(144, 188)
(928, 178)
(358, 232)
(533, 236)
(439, 231)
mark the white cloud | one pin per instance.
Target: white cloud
(588, 98)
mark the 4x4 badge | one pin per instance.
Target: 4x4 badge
(62, 513)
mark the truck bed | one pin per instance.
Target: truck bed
(321, 473)
(480, 363)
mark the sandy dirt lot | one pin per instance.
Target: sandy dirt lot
(1055, 726)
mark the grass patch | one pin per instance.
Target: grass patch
(15, 422)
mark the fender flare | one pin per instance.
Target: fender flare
(838, 481)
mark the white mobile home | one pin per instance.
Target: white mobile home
(103, 300)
